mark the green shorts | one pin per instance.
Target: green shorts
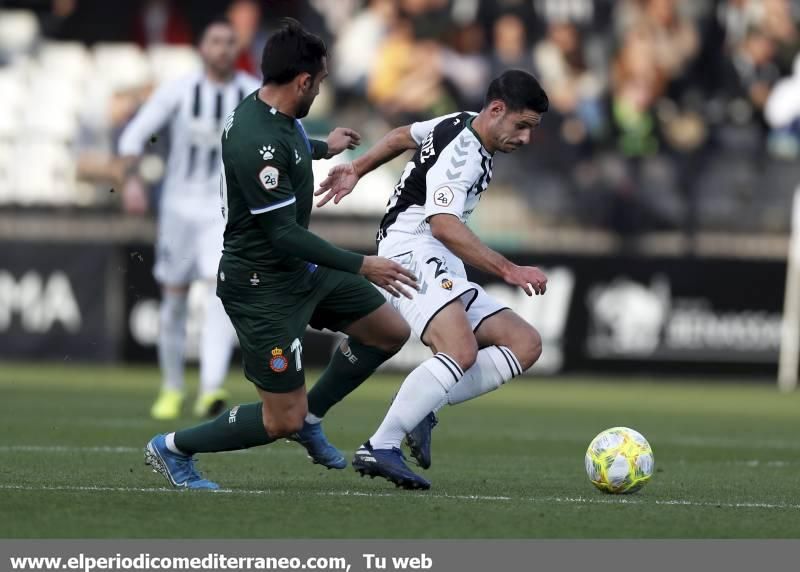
(270, 312)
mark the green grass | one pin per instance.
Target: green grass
(509, 465)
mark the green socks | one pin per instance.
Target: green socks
(351, 364)
(240, 427)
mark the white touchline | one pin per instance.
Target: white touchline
(270, 492)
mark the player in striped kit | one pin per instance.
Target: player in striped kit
(190, 226)
(477, 342)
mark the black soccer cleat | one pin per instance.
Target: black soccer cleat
(388, 464)
(419, 440)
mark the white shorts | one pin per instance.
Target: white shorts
(442, 278)
(188, 247)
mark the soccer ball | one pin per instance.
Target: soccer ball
(619, 460)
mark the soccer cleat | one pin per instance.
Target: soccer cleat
(389, 464)
(211, 404)
(168, 405)
(178, 469)
(319, 449)
(419, 440)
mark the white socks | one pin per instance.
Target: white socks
(422, 391)
(172, 339)
(494, 366)
(216, 344)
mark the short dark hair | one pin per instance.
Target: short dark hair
(518, 90)
(291, 51)
(218, 20)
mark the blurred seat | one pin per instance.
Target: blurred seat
(13, 88)
(121, 66)
(65, 60)
(6, 160)
(170, 62)
(43, 173)
(722, 194)
(19, 31)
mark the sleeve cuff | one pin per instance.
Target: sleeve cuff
(319, 149)
(274, 206)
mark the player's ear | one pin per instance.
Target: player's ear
(497, 108)
(307, 82)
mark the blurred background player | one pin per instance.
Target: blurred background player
(478, 342)
(190, 226)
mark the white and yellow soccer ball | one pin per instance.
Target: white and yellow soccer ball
(619, 460)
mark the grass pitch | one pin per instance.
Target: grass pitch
(508, 465)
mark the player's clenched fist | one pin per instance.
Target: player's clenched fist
(389, 275)
(528, 278)
(342, 138)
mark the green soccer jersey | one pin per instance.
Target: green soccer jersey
(266, 169)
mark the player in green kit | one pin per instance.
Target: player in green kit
(275, 277)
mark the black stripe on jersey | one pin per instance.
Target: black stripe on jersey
(218, 107)
(483, 182)
(197, 99)
(414, 188)
(213, 161)
(196, 108)
(239, 95)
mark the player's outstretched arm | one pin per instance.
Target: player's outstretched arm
(342, 179)
(457, 236)
(287, 236)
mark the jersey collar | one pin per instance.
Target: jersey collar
(271, 110)
(475, 133)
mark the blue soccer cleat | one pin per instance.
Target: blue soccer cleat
(419, 440)
(177, 469)
(389, 464)
(319, 449)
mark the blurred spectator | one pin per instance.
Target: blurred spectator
(245, 17)
(779, 25)
(356, 48)
(782, 112)
(160, 22)
(751, 71)
(637, 81)
(672, 38)
(510, 45)
(464, 66)
(573, 89)
(405, 82)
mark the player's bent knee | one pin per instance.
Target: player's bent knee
(529, 351)
(464, 354)
(394, 336)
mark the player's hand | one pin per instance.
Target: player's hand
(529, 278)
(342, 138)
(389, 275)
(340, 182)
(134, 196)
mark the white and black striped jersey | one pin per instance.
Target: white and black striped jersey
(195, 109)
(449, 171)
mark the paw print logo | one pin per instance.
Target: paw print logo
(267, 152)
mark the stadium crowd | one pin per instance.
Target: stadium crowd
(665, 114)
